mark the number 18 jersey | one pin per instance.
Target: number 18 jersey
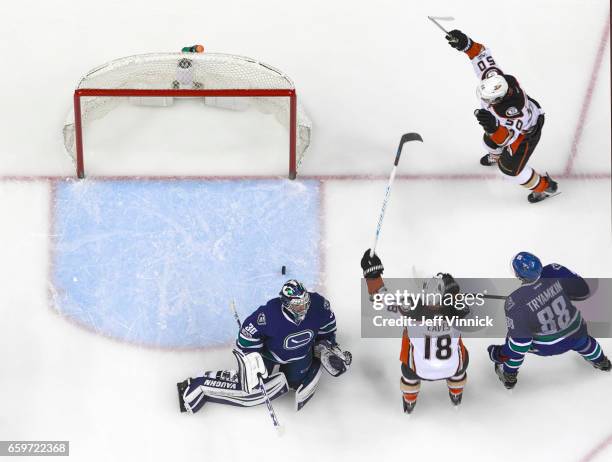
(433, 352)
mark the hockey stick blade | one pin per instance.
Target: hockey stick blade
(403, 140)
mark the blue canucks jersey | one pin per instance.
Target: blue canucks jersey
(541, 317)
(272, 331)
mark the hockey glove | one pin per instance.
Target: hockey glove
(495, 354)
(487, 120)
(458, 40)
(334, 360)
(450, 285)
(372, 266)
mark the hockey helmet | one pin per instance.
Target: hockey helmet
(492, 89)
(527, 267)
(434, 290)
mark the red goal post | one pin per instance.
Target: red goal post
(164, 76)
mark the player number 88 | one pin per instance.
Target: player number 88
(557, 309)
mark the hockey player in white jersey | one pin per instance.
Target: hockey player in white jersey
(428, 352)
(512, 121)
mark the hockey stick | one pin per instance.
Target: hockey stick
(405, 138)
(435, 20)
(415, 276)
(277, 425)
(494, 297)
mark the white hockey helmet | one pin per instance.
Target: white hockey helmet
(492, 89)
(434, 291)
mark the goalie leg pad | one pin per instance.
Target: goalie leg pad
(308, 386)
(251, 367)
(224, 387)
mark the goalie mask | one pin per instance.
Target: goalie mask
(295, 299)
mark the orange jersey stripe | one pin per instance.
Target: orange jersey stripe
(500, 136)
(474, 50)
(405, 347)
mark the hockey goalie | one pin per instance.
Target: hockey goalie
(429, 352)
(281, 345)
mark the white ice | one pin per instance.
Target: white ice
(366, 72)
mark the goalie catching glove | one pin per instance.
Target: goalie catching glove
(334, 360)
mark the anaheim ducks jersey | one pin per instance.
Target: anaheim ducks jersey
(433, 352)
(517, 113)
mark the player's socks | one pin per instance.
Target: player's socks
(455, 388)
(489, 159)
(410, 392)
(593, 353)
(544, 187)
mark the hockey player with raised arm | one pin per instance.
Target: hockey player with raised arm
(512, 120)
(429, 352)
(283, 342)
(543, 320)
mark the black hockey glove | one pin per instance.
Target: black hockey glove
(372, 266)
(450, 285)
(495, 354)
(458, 40)
(486, 119)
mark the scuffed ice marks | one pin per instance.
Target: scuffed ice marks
(157, 262)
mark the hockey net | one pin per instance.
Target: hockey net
(221, 80)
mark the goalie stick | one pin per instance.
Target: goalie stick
(277, 425)
(405, 138)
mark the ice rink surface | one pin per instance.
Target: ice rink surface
(366, 72)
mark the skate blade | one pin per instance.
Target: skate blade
(547, 197)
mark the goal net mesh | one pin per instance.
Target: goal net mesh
(196, 71)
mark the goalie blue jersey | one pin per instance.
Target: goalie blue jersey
(272, 331)
(541, 317)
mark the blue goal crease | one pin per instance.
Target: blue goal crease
(158, 262)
